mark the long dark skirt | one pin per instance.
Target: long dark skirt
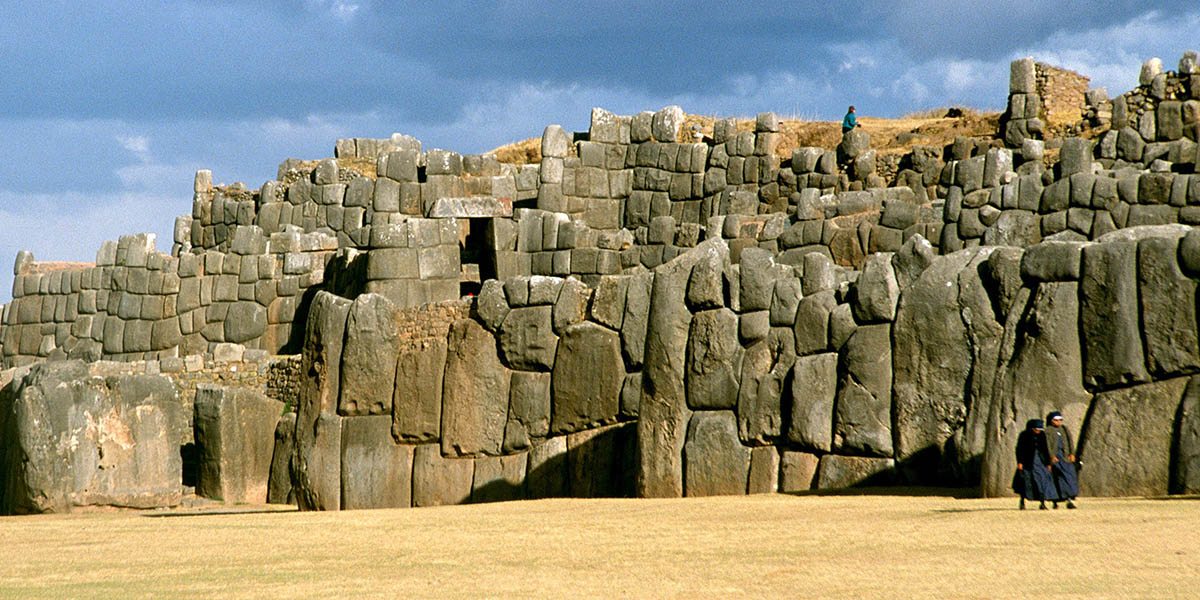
(1066, 480)
(1037, 482)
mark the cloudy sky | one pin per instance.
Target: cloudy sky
(108, 108)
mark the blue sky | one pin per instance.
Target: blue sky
(108, 108)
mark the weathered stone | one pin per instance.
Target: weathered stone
(784, 299)
(863, 408)
(635, 318)
(320, 365)
(1075, 156)
(597, 461)
(914, 257)
(1109, 319)
(797, 471)
(944, 335)
(474, 393)
(666, 123)
(1052, 261)
(757, 279)
(877, 292)
(714, 360)
(376, 471)
(664, 414)
(812, 322)
(235, 438)
(716, 462)
(1022, 76)
(1126, 442)
(124, 434)
(587, 378)
(764, 369)
(764, 470)
(608, 301)
(499, 478)
(528, 411)
(854, 471)
(854, 143)
(812, 393)
(279, 486)
(818, 273)
(571, 306)
(1185, 459)
(491, 304)
(1040, 370)
(706, 285)
(369, 357)
(1168, 305)
(438, 481)
(527, 338)
(417, 401)
(546, 473)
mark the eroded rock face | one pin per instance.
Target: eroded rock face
(717, 464)
(474, 392)
(1126, 442)
(369, 357)
(587, 378)
(74, 440)
(235, 434)
(315, 460)
(864, 399)
(527, 338)
(714, 360)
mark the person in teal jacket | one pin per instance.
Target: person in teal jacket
(849, 122)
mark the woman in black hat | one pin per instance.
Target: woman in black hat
(1033, 465)
(1062, 461)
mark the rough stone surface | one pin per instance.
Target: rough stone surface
(527, 338)
(764, 370)
(587, 378)
(716, 462)
(499, 478)
(1126, 442)
(546, 473)
(369, 357)
(877, 291)
(1185, 477)
(797, 471)
(713, 360)
(1168, 300)
(1109, 320)
(764, 471)
(597, 461)
(279, 487)
(528, 410)
(864, 398)
(837, 471)
(126, 432)
(376, 471)
(417, 401)
(235, 439)
(474, 393)
(812, 394)
(439, 481)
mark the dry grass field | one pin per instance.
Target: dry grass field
(773, 546)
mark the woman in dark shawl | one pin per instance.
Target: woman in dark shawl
(1062, 461)
(1033, 464)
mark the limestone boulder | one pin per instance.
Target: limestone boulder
(812, 393)
(764, 471)
(417, 401)
(663, 415)
(765, 368)
(797, 471)
(440, 481)
(528, 410)
(279, 486)
(1126, 442)
(714, 359)
(716, 462)
(598, 461)
(863, 418)
(317, 463)
(376, 471)
(499, 478)
(546, 469)
(527, 338)
(369, 357)
(587, 378)
(74, 440)
(235, 439)
(876, 292)
(1168, 300)
(836, 471)
(1185, 476)
(474, 392)
(635, 318)
(1109, 319)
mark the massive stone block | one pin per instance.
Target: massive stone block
(877, 291)
(439, 481)
(764, 470)
(945, 340)
(836, 471)
(317, 463)
(864, 398)
(474, 392)
(587, 377)
(636, 317)
(1112, 341)
(546, 472)
(797, 471)
(527, 338)
(499, 478)
(597, 461)
(279, 486)
(73, 440)
(235, 436)
(1126, 442)
(1185, 475)
(714, 359)
(369, 357)
(812, 394)
(1041, 369)
(528, 409)
(716, 462)
(417, 402)
(376, 471)
(1168, 299)
(663, 415)
(764, 376)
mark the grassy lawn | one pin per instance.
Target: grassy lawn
(773, 546)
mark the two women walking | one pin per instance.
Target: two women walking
(1046, 463)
